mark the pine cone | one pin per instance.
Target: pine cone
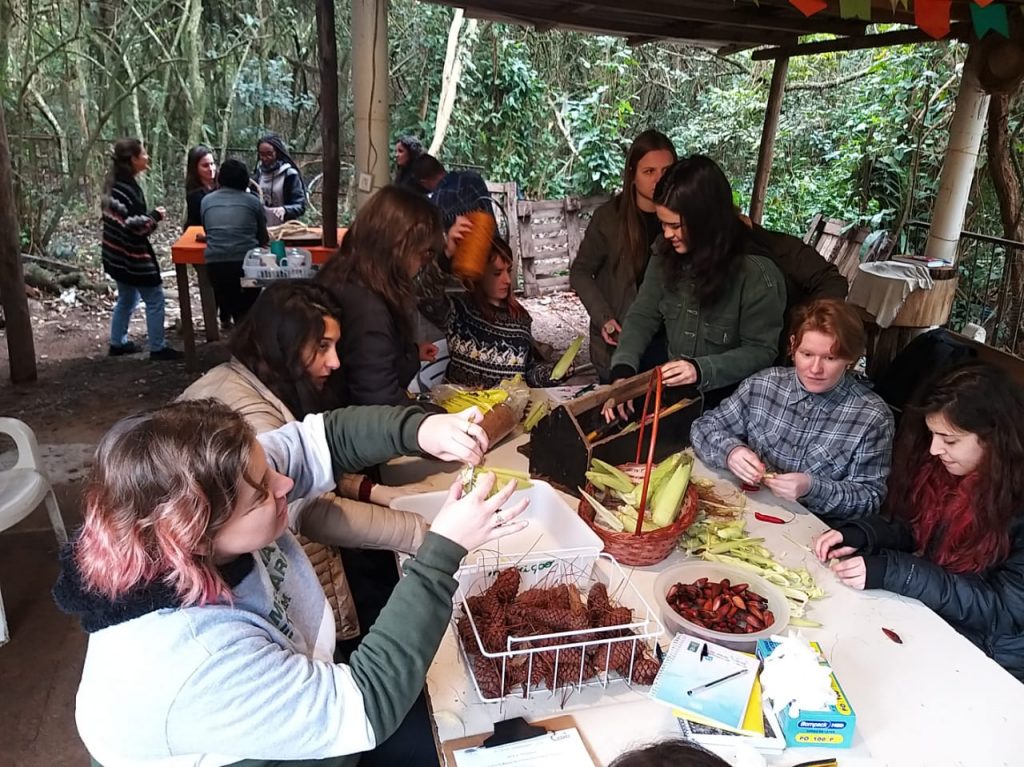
(568, 667)
(621, 657)
(645, 669)
(487, 677)
(494, 637)
(560, 619)
(466, 635)
(506, 585)
(486, 608)
(535, 597)
(597, 601)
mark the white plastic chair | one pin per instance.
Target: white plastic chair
(22, 489)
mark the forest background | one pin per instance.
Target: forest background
(861, 137)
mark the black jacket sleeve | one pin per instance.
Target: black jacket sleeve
(871, 535)
(372, 353)
(988, 604)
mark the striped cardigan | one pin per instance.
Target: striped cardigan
(128, 256)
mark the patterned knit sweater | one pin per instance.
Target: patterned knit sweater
(483, 352)
(128, 256)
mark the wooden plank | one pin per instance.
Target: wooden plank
(549, 284)
(538, 208)
(573, 234)
(960, 31)
(547, 227)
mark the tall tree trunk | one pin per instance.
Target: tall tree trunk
(450, 76)
(196, 84)
(21, 349)
(1007, 186)
(329, 126)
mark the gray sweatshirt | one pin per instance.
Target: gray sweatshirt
(215, 684)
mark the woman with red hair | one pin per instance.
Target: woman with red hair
(954, 533)
(811, 433)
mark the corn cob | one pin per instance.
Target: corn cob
(563, 364)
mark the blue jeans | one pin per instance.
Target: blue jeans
(127, 298)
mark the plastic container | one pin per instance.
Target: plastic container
(262, 264)
(555, 529)
(690, 571)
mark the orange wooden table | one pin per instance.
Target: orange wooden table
(189, 250)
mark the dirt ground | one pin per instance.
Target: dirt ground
(81, 391)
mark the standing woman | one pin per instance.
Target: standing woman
(128, 256)
(954, 536)
(721, 307)
(279, 181)
(612, 259)
(395, 234)
(200, 180)
(407, 149)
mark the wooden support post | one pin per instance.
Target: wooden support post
(768, 131)
(327, 49)
(370, 95)
(21, 348)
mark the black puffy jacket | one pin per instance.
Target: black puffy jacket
(987, 608)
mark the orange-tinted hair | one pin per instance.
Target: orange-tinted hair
(162, 485)
(835, 318)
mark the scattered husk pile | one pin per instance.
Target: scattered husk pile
(501, 611)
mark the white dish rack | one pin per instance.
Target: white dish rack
(547, 570)
(297, 265)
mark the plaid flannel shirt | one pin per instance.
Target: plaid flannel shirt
(842, 439)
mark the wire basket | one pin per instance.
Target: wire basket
(528, 664)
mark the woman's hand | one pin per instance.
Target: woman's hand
(824, 546)
(454, 436)
(610, 410)
(475, 519)
(609, 331)
(456, 233)
(853, 572)
(428, 352)
(678, 373)
(791, 487)
(745, 465)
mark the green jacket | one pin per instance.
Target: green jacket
(727, 342)
(603, 280)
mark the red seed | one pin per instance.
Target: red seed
(892, 635)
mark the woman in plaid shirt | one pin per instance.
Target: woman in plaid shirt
(811, 433)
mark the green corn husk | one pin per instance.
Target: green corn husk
(539, 411)
(615, 477)
(563, 364)
(670, 499)
(607, 518)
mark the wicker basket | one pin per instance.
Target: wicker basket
(640, 549)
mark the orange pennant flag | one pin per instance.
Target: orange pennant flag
(809, 7)
(932, 16)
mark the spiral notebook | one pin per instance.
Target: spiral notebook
(706, 682)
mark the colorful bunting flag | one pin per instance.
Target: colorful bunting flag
(809, 7)
(932, 16)
(983, 3)
(991, 18)
(855, 9)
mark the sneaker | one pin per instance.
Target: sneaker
(119, 350)
(167, 354)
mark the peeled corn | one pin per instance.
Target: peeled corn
(565, 362)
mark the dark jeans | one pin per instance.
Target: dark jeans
(233, 301)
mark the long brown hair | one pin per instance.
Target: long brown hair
(275, 336)
(963, 525)
(697, 190)
(632, 232)
(500, 252)
(195, 156)
(124, 151)
(388, 240)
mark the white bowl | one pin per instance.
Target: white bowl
(689, 571)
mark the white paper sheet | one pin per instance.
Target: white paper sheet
(565, 746)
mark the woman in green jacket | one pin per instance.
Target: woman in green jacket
(612, 260)
(721, 307)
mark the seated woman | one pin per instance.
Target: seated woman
(953, 536)
(721, 306)
(210, 639)
(394, 235)
(282, 356)
(200, 180)
(279, 182)
(487, 329)
(610, 266)
(826, 437)
(234, 224)
(407, 149)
